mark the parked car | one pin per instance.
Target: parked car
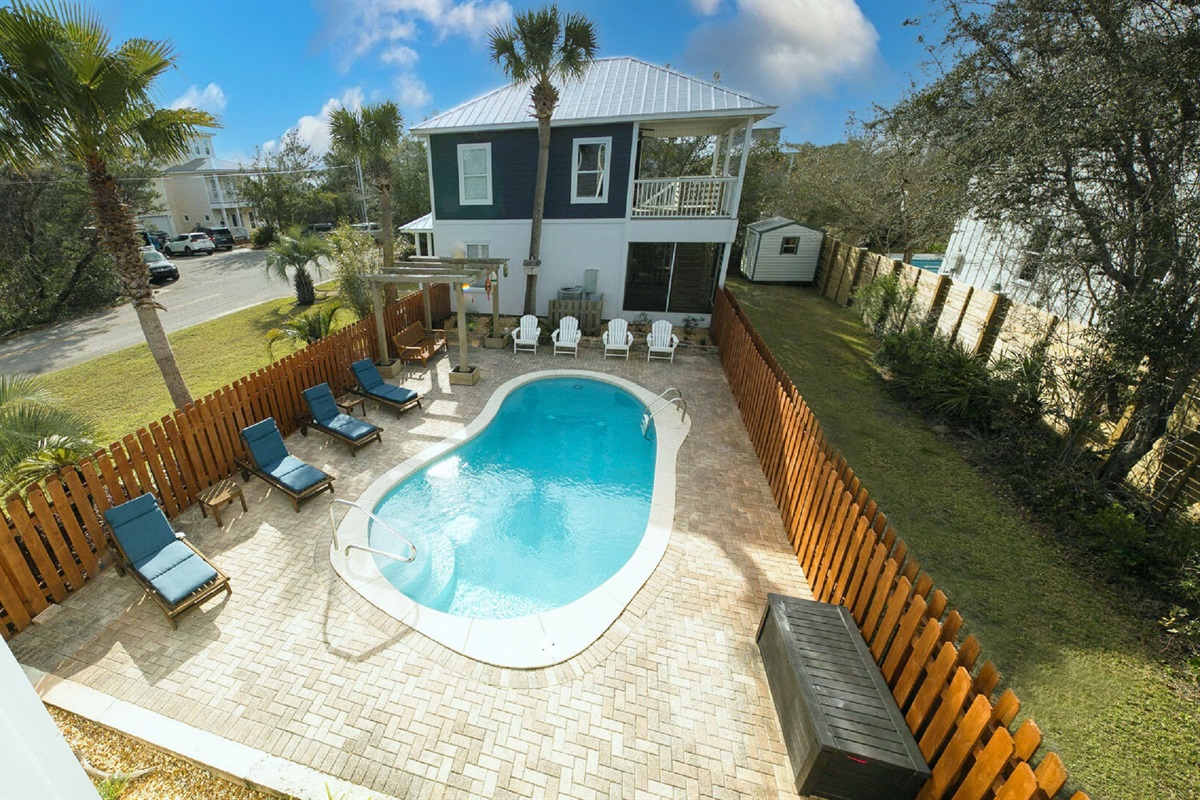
(161, 267)
(318, 229)
(221, 237)
(373, 228)
(158, 238)
(190, 243)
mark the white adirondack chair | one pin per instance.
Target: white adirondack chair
(661, 341)
(525, 337)
(617, 339)
(566, 337)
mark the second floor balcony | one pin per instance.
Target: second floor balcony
(686, 198)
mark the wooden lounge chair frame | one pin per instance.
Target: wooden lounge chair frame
(248, 467)
(400, 408)
(211, 589)
(306, 420)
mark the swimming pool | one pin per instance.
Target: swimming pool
(468, 599)
(545, 504)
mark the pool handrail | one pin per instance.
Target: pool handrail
(651, 412)
(363, 547)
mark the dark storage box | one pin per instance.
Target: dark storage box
(846, 738)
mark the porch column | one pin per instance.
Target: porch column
(460, 301)
(737, 196)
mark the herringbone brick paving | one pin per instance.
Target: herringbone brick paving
(671, 702)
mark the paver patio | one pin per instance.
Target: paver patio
(672, 701)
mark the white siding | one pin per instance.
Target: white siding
(768, 265)
(750, 253)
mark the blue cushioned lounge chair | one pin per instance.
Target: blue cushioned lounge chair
(171, 571)
(371, 384)
(271, 461)
(325, 416)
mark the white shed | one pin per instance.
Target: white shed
(779, 250)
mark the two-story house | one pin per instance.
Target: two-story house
(659, 244)
(200, 190)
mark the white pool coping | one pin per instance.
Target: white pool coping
(535, 640)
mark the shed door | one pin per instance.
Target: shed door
(750, 254)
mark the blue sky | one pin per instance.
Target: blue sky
(267, 66)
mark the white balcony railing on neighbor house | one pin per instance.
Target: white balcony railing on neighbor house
(683, 197)
(226, 198)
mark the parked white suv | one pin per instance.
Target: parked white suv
(189, 244)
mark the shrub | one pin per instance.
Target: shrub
(353, 255)
(262, 237)
(883, 303)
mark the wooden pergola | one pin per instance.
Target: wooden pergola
(455, 271)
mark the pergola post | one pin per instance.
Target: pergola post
(459, 298)
(428, 311)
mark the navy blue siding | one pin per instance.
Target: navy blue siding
(514, 169)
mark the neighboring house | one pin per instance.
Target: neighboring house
(660, 243)
(1007, 259)
(780, 250)
(199, 191)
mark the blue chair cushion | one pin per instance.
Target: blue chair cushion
(350, 427)
(295, 474)
(175, 571)
(321, 403)
(140, 527)
(397, 394)
(265, 444)
(367, 374)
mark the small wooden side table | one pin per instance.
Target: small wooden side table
(217, 495)
(348, 402)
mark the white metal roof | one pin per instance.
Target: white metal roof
(613, 89)
(773, 223)
(421, 224)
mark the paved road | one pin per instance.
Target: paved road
(208, 287)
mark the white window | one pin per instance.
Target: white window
(477, 250)
(475, 174)
(789, 245)
(589, 170)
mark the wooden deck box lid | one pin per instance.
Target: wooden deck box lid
(843, 728)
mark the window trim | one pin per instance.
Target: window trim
(462, 184)
(606, 141)
(783, 243)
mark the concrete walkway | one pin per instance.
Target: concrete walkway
(672, 701)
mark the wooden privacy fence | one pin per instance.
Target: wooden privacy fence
(52, 542)
(853, 557)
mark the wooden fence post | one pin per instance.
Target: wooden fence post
(991, 326)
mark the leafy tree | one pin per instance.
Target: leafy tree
(65, 90)
(542, 47)
(372, 136)
(296, 250)
(878, 188)
(286, 188)
(410, 182)
(37, 434)
(353, 255)
(1081, 118)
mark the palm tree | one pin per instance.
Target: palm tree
(37, 434)
(372, 135)
(304, 329)
(65, 90)
(543, 46)
(296, 250)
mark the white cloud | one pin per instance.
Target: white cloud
(411, 92)
(399, 55)
(706, 7)
(781, 51)
(211, 99)
(313, 129)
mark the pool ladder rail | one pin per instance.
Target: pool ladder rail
(346, 552)
(661, 403)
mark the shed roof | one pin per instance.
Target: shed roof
(612, 89)
(774, 223)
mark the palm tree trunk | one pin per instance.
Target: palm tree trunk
(539, 204)
(389, 246)
(116, 233)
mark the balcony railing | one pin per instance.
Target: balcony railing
(683, 197)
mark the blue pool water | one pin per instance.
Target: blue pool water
(547, 502)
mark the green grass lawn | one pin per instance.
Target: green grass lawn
(1081, 663)
(125, 391)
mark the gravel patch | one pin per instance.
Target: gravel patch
(172, 778)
